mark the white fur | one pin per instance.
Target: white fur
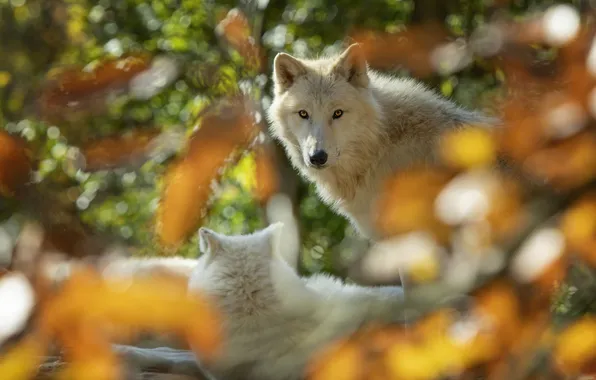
(387, 124)
(275, 321)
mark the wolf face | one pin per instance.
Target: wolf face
(323, 109)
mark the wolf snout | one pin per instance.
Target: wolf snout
(319, 158)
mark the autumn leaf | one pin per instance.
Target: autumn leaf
(236, 30)
(86, 298)
(578, 224)
(576, 346)
(70, 85)
(74, 92)
(21, 361)
(407, 202)
(411, 48)
(267, 181)
(88, 354)
(224, 129)
(113, 151)
(342, 361)
(468, 148)
(499, 306)
(566, 165)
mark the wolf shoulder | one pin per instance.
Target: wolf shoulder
(406, 102)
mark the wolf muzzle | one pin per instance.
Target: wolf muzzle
(318, 159)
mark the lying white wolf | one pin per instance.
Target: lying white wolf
(347, 128)
(274, 320)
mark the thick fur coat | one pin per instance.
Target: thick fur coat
(368, 125)
(275, 320)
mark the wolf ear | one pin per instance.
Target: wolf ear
(208, 241)
(351, 65)
(285, 71)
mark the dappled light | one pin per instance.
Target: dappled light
(138, 130)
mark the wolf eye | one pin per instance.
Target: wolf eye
(303, 114)
(337, 114)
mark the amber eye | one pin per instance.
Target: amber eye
(337, 114)
(303, 114)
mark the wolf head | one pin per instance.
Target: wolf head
(323, 109)
(246, 275)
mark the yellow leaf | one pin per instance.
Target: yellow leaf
(20, 362)
(468, 148)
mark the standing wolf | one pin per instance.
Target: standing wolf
(347, 128)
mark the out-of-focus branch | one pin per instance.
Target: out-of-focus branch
(282, 204)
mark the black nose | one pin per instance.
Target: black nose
(319, 158)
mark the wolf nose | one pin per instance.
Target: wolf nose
(318, 158)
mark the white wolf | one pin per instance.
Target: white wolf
(347, 128)
(274, 320)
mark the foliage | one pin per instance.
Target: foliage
(132, 122)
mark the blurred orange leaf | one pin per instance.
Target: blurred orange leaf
(70, 85)
(21, 361)
(568, 164)
(88, 353)
(225, 128)
(113, 151)
(576, 346)
(341, 361)
(506, 211)
(267, 181)
(236, 30)
(124, 304)
(407, 202)
(499, 305)
(411, 48)
(579, 227)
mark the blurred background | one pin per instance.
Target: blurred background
(128, 123)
